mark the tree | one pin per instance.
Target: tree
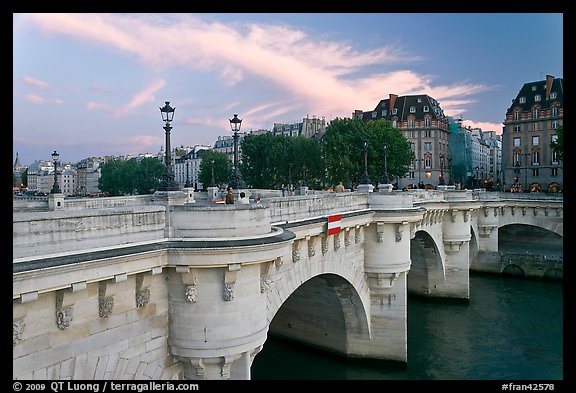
(222, 169)
(128, 177)
(343, 151)
(147, 173)
(558, 145)
(269, 161)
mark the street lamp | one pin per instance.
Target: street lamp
(384, 179)
(55, 187)
(187, 184)
(290, 178)
(476, 180)
(527, 155)
(212, 183)
(236, 181)
(365, 178)
(441, 181)
(167, 182)
(419, 171)
(450, 182)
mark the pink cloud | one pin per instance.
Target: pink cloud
(315, 73)
(38, 84)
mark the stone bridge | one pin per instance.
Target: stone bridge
(167, 287)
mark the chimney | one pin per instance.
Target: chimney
(392, 102)
(549, 80)
(357, 114)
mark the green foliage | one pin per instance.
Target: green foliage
(558, 145)
(129, 177)
(343, 151)
(270, 161)
(222, 169)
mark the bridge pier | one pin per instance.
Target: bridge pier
(386, 261)
(217, 320)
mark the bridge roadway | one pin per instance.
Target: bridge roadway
(167, 287)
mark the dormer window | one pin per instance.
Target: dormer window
(394, 111)
(537, 97)
(374, 114)
(522, 100)
(533, 88)
(426, 109)
(419, 100)
(553, 95)
(384, 113)
(412, 109)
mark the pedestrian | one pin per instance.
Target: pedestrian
(243, 199)
(229, 196)
(283, 190)
(339, 187)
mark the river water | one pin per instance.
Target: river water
(512, 329)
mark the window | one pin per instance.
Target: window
(554, 172)
(384, 113)
(536, 157)
(412, 109)
(555, 111)
(533, 88)
(374, 114)
(516, 127)
(428, 146)
(534, 113)
(516, 142)
(426, 109)
(394, 123)
(411, 122)
(555, 124)
(394, 111)
(419, 100)
(427, 122)
(522, 100)
(534, 126)
(535, 140)
(537, 97)
(553, 95)
(516, 115)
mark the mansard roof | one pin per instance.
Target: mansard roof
(532, 89)
(423, 105)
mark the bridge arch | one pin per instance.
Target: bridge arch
(426, 269)
(325, 311)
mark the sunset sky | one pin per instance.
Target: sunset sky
(92, 84)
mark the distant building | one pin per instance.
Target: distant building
(529, 128)
(310, 128)
(423, 123)
(187, 167)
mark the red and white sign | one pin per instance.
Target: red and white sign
(334, 222)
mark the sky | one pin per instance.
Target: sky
(89, 84)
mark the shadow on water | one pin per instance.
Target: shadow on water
(511, 329)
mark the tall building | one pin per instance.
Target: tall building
(424, 124)
(531, 122)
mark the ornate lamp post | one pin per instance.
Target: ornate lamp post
(476, 180)
(419, 171)
(384, 179)
(187, 184)
(56, 186)
(167, 182)
(365, 178)
(212, 183)
(450, 182)
(441, 180)
(290, 177)
(236, 181)
(527, 155)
